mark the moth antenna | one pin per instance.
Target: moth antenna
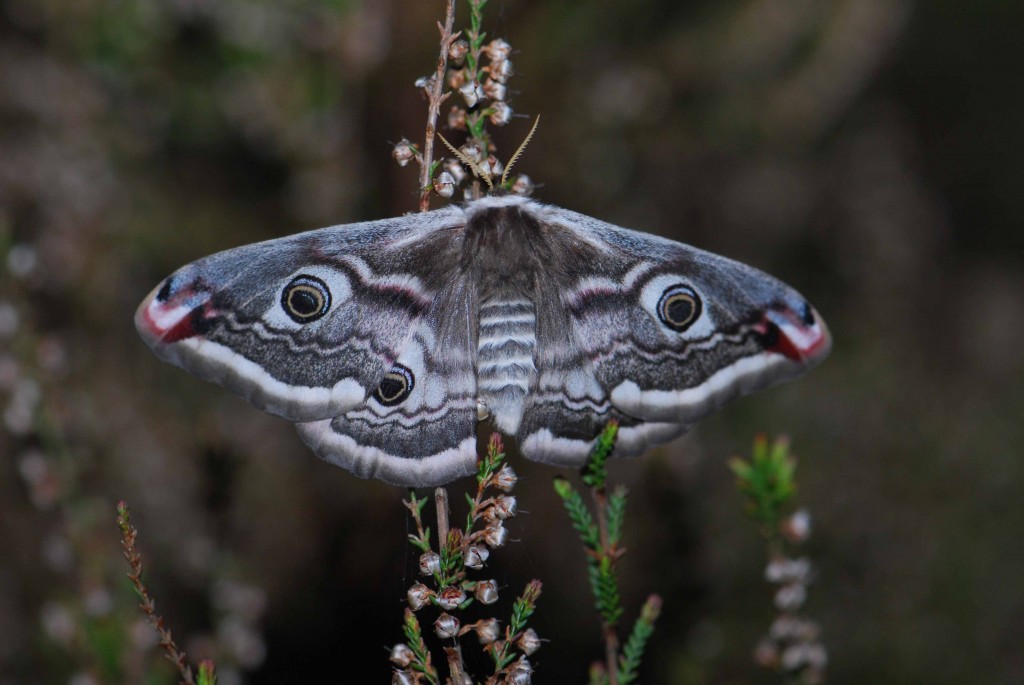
(519, 151)
(474, 167)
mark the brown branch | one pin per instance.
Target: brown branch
(441, 503)
(435, 98)
(131, 554)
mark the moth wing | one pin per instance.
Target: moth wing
(656, 335)
(423, 434)
(393, 312)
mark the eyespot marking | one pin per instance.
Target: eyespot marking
(678, 307)
(306, 298)
(396, 386)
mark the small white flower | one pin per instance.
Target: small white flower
(487, 630)
(457, 50)
(418, 595)
(495, 90)
(785, 570)
(497, 49)
(476, 556)
(528, 642)
(523, 185)
(430, 563)
(401, 655)
(403, 678)
(486, 592)
(454, 167)
(505, 479)
(501, 114)
(495, 534)
(404, 152)
(521, 672)
(471, 92)
(451, 597)
(505, 506)
(501, 70)
(446, 626)
(444, 184)
(790, 597)
(457, 118)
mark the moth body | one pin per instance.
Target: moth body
(388, 341)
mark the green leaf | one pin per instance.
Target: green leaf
(632, 653)
(594, 472)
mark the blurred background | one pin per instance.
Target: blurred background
(868, 152)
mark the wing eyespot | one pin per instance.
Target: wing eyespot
(305, 299)
(396, 386)
(679, 307)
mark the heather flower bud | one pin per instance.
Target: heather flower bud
(505, 479)
(451, 597)
(403, 678)
(486, 592)
(487, 630)
(790, 597)
(521, 672)
(471, 150)
(403, 152)
(476, 556)
(783, 570)
(457, 118)
(497, 49)
(454, 167)
(401, 655)
(418, 595)
(797, 528)
(444, 185)
(458, 50)
(528, 642)
(523, 185)
(801, 655)
(501, 114)
(495, 90)
(456, 78)
(424, 82)
(430, 563)
(494, 165)
(446, 626)
(485, 167)
(471, 92)
(501, 71)
(505, 506)
(495, 534)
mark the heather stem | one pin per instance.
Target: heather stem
(435, 98)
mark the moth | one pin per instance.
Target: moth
(387, 342)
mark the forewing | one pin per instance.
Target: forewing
(227, 317)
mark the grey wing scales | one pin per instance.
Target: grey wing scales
(624, 356)
(317, 327)
(424, 433)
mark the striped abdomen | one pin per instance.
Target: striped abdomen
(504, 361)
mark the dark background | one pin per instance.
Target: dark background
(869, 152)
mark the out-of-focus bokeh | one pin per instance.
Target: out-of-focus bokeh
(869, 152)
